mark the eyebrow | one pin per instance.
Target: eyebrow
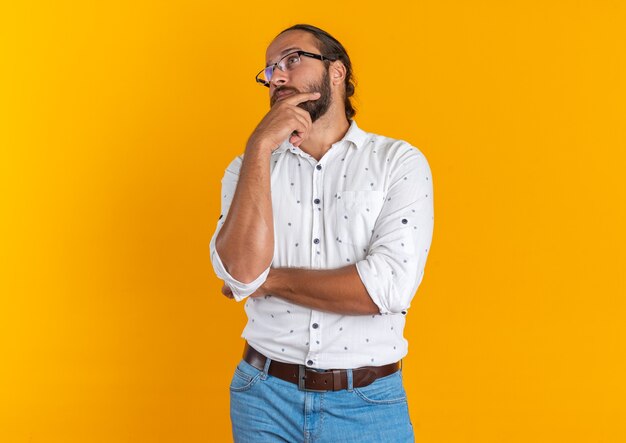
(285, 52)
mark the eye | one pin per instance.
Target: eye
(295, 58)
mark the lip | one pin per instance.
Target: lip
(284, 93)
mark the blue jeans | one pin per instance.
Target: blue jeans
(264, 408)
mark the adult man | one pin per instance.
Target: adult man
(325, 230)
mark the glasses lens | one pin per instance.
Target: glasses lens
(266, 75)
(287, 62)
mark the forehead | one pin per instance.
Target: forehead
(291, 39)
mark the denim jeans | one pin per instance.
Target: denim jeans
(264, 408)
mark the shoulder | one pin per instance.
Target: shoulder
(396, 151)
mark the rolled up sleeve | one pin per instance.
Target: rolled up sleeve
(239, 289)
(402, 236)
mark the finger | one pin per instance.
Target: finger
(302, 97)
(296, 139)
(299, 123)
(304, 114)
(301, 132)
(302, 121)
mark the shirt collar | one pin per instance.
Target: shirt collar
(355, 135)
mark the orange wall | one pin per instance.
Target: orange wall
(116, 125)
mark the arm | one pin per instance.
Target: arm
(239, 289)
(336, 290)
(242, 247)
(394, 267)
(245, 243)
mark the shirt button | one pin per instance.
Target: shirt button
(318, 167)
(316, 201)
(315, 326)
(309, 363)
(316, 241)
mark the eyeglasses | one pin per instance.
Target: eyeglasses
(287, 63)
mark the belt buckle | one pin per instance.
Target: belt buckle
(302, 378)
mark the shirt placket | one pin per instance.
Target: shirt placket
(315, 324)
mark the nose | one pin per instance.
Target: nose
(279, 77)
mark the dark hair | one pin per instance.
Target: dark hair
(329, 46)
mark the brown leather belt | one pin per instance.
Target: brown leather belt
(308, 379)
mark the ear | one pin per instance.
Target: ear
(337, 72)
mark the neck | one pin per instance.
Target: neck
(326, 130)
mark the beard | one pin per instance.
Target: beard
(315, 108)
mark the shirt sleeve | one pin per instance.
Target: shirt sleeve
(394, 266)
(239, 289)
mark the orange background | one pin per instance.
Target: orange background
(117, 122)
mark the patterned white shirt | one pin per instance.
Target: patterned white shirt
(368, 202)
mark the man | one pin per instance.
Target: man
(324, 232)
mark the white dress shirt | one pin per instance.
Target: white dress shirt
(367, 202)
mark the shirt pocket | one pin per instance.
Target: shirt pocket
(356, 216)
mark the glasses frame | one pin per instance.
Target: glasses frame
(300, 54)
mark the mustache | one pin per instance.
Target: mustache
(281, 89)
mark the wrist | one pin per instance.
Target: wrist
(272, 283)
(260, 145)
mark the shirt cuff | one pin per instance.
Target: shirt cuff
(239, 289)
(374, 274)
(372, 287)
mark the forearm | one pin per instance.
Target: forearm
(335, 290)
(245, 242)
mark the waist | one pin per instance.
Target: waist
(309, 379)
(294, 334)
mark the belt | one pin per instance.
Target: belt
(308, 379)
